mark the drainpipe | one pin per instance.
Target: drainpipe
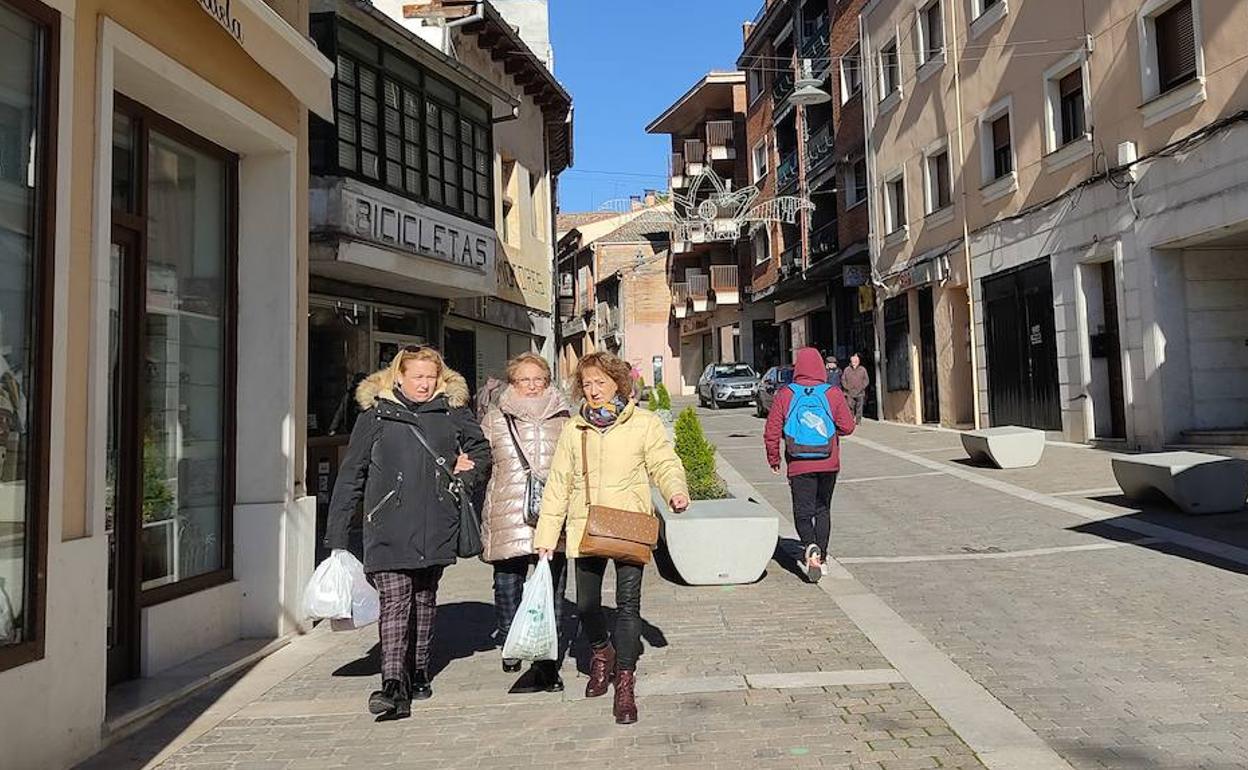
(478, 14)
(966, 231)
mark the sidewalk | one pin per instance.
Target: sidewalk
(1112, 630)
(767, 675)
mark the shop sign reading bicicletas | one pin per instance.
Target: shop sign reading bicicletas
(420, 230)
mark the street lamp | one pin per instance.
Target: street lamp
(807, 91)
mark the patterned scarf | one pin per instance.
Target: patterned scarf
(604, 415)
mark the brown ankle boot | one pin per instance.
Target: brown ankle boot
(625, 698)
(601, 669)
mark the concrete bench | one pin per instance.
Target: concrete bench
(719, 542)
(1193, 481)
(1009, 446)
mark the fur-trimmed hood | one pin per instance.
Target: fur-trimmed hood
(380, 384)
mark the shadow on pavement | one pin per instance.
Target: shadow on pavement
(1229, 529)
(788, 552)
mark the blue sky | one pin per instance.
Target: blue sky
(624, 61)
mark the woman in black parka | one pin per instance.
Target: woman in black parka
(411, 520)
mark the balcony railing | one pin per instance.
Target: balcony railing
(824, 241)
(815, 39)
(790, 261)
(695, 156)
(725, 282)
(719, 136)
(677, 171)
(786, 172)
(819, 148)
(781, 87)
(699, 291)
(680, 299)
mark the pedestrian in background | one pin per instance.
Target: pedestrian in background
(834, 371)
(523, 429)
(855, 380)
(809, 416)
(609, 453)
(411, 519)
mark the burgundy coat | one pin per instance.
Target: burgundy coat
(808, 370)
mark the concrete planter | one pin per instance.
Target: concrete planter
(719, 542)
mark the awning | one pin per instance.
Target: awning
(788, 311)
(292, 59)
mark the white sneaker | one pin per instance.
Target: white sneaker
(813, 573)
(823, 567)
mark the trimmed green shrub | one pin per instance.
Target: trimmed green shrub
(698, 456)
(652, 403)
(665, 398)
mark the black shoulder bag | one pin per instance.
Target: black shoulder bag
(534, 486)
(469, 543)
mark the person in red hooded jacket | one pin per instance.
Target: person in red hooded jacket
(811, 481)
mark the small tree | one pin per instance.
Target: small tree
(698, 456)
(665, 398)
(652, 403)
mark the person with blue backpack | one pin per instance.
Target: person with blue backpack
(808, 417)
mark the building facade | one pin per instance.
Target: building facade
(816, 272)
(707, 127)
(1103, 215)
(432, 213)
(155, 200)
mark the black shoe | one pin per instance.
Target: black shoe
(510, 665)
(392, 700)
(547, 672)
(420, 686)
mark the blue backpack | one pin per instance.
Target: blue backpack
(809, 428)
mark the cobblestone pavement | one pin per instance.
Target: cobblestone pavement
(1120, 644)
(767, 675)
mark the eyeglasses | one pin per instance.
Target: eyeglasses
(531, 381)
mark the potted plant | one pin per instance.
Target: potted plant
(726, 536)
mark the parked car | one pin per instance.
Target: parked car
(727, 384)
(775, 379)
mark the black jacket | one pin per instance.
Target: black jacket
(411, 520)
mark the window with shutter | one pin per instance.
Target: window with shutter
(1176, 45)
(1070, 95)
(1002, 156)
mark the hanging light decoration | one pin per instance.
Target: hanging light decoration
(807, 91)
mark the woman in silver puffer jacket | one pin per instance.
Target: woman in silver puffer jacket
(523, 427)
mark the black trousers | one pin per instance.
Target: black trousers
(812, 507)
(627, 636)
(509, 577)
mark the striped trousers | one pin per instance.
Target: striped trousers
(409, 605)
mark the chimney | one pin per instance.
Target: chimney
(652, 197)
(634, 203)
(746, 29)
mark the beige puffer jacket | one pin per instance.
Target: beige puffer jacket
(539, 421)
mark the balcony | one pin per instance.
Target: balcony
(781, 87)
(677, 171)
(786, 172)
(824, 241)
(699, 291)
(680, 299)
(572, 327)
(819, 150)
(790, 262)
(726, 284)
(719, 140)
(695, 156)
(815, 41)
(608, 318)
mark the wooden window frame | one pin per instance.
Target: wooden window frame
(329, 31)
(147, 120)
(39, 455)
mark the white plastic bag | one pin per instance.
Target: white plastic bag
(340, 592)
(533, 634)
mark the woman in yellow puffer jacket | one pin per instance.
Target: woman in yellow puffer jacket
(627, 448)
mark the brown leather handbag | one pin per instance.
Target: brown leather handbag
(612, 533)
